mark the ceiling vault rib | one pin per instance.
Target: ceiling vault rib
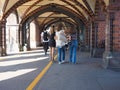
(13, 8)
(82, 16)
(88, 6)
(97, 8)
(54, 17)
(102, 3)
(5, 5)
(57, 6)
(25, 13)
(73, 7)
(47, 18)
(81, 6)
(58, 19)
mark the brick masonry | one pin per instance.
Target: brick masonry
(101, 32)
(116, 32)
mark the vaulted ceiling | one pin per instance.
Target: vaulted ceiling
(25, 8)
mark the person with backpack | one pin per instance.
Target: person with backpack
(45, 41)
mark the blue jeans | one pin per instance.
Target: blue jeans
(61, 53)
(73, 51)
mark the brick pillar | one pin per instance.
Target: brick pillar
(87, 35)
(92, 34)
(24, 38)
(20, 37)
(95, 36)
(3, 38)
(107, 54)
(28, 39)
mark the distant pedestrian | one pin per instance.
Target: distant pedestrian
(73, 44)
(52, 43)
(45, 41)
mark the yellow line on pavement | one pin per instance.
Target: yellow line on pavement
(38, 78)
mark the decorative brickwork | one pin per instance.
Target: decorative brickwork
(115, 7)
(101, 33)
(116, 32)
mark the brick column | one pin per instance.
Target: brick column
(3, 38)
(107, 54)
(20, 38)
(92, 34)
(87, 35)
(24, 38)
(28, 38)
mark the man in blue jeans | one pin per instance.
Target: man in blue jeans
(73, 44)
(61, 54)
(73, 50)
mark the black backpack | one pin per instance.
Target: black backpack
(45, 36)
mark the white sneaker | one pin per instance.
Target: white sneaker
(63, 61)
(59, 62)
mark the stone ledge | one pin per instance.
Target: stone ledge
(98, 52)
(114, 62)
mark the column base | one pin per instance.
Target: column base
(114, 62)
(98, 52)
(3, 51)
(106, 59)
(20, 48)
(111, 61)
(0, 51)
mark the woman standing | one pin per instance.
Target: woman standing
(73, 45)
(52, 43)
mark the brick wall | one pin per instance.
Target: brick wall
(116, 32)
(101, 32)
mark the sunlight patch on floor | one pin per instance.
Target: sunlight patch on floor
(13, 74)
(21, 61)
(21, 55)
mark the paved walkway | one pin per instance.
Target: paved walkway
(87, 74)
(19, 70)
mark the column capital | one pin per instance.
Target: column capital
(2, 22)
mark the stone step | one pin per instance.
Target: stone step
(114, 63)
(98, 53)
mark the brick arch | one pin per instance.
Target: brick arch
(16, 5)
(89, 12)
(20, 2)
(54, 8)
(13, 8)
(57, 20)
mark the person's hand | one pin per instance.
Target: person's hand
(69, 38)
(55, 37)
